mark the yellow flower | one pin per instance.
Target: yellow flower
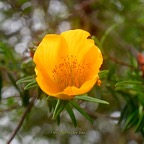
(67, 64)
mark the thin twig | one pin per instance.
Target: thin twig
(9, 109)
(83, 4)
(96, 115)
(121, 62)
(21, 120)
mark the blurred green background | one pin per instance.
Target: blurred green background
(117, 26)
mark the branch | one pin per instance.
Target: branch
(121, 62)
(21, 120)
(98, 115)
(83, 4)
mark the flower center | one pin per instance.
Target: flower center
(70, 72)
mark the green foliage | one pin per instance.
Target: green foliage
(71, 114)
(130, 85)
(91, 99)
(59, 107)
(31, 85)
(132, 114)
(27, 79)
(77, 107)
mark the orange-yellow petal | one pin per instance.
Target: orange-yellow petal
(75, 39)
(71, 91)
(47, 55)
(46, 84)
(49, 51)
(94, 58)
(84, 49)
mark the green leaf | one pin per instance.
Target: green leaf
(130, 82)
(107, 33)
(103, 73)
(124, 114)
(31, 85)
(91, 99)
(76, 106)
(131, 120)
(130, 85)
(140, 124)
(141, 98)
(26, 79)
(71, 114)
(59, 107)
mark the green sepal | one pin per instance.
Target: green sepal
(27, 79)
(31, 85)
(76, 106)
(91, 99)
(59, 107)
(71, 114)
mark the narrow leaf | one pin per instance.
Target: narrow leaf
(131, 120)
(31, 85)
(91, 99)
(124, 114)
(130, 87)
(76, 106)
(26, 79)
(59, 107)
(107, 33)
(71, 114)
(140, 124)
(128, 82)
